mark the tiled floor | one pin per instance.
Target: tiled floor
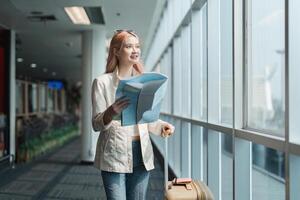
(60, 176)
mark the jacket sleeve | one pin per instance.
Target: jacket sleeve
(156, 127)
(98, 106)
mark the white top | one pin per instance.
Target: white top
(131, 130)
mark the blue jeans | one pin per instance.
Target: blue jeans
(128, 186)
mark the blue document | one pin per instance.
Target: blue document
(146, 92)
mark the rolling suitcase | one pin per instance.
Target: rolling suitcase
(184, 188)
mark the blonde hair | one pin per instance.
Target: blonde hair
(116, 43)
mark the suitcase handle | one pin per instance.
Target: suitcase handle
(166, 169)
(179, 181)
(188, 186)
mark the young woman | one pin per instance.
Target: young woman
(124, 153)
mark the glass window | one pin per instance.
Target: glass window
(34, 98)
(42, 97)
(169, 70)
(185, 5)
(177, 78)
(20, 88)
(242, 169)
(166, 68)
(199, 64)
(214, 159)
(227, 167)
(199, 153)
(205, 155)
(176, 152)
(294, 177)
(226, 62)
(50, 100)
(186, 71)
(160, 68)
(267, 173)
(265, 65)
(59, 100)
(214, 63)
(294, 71)
(177, 13)
(185, 133)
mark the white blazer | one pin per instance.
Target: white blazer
(114, 145)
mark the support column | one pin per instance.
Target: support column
(12, 95)
(93, 65)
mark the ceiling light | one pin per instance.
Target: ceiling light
(53, 73)
(45, 69)
(77, 15)
(20, 60)
(33, 65)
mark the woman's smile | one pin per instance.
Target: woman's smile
(134, 56)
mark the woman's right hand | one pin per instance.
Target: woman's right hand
(115, 109)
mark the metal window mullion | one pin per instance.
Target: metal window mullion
(191, 65)
(233, 102)
(207, 83)
(286, 71)
(247, 59)
(294, 149)
(268, 141)
(172, 80)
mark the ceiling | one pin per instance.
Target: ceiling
(55, 46)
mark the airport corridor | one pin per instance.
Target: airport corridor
(59, 175)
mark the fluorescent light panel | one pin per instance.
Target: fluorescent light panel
(77, 15)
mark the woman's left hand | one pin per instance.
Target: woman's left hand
(167, 130)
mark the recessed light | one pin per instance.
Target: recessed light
(77, 15)
(53, 73)
(20, 60)
(33, 65)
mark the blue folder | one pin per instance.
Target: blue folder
(146, 92)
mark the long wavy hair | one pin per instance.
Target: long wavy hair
(116, 43)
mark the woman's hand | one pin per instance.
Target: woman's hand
(167, 130)
(115, 109)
